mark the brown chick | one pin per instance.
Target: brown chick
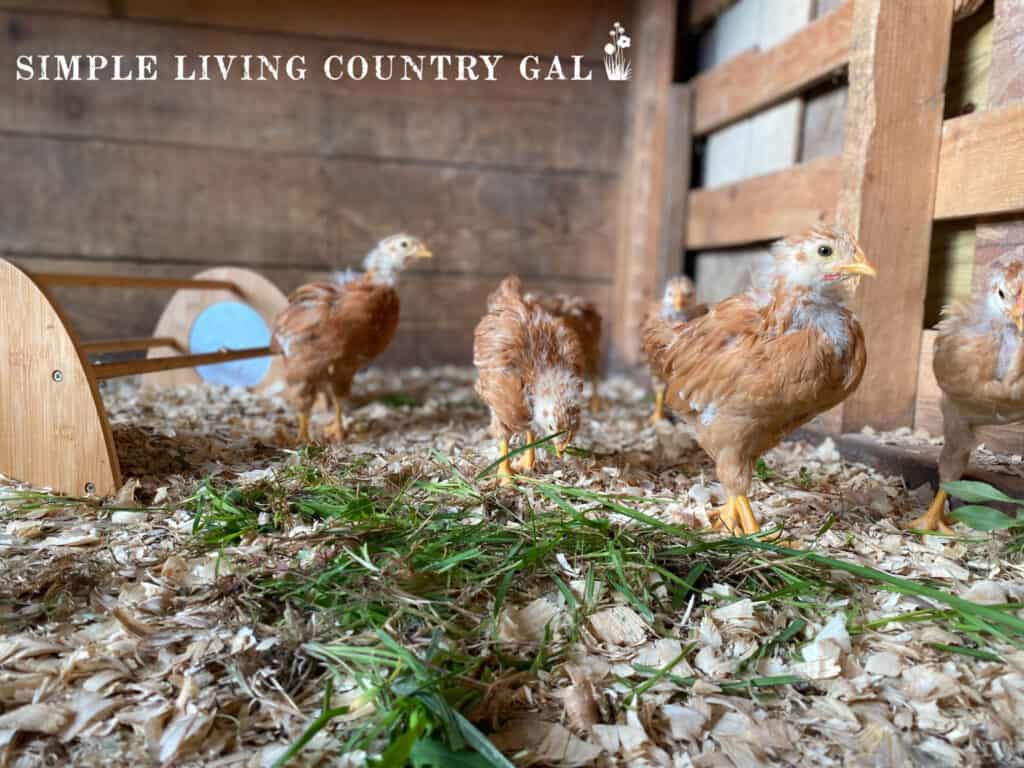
(760, 364)
(979, 365)
(530, 368)
(584, 320)
(676, 307)
(329, 331)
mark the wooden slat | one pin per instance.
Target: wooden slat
(981, 165)
(928, 417)
(678, 150)
(126, 345)
(151, 365)
(74, 7)
(571, 126)
(130, 281)
(642, 188)
(890, 165)
(756, 79)
(165, 204)
(526, 26)
(765, 207)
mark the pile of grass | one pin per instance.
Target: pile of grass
(409, 599)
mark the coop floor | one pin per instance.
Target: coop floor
(581, 617)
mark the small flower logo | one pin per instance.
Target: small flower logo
(616, 64)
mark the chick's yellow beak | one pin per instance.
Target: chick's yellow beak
(678, 302)
(860, 266)
(1017, 313)
(422, 252)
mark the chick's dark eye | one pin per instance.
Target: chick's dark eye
(1001, 294)
(825, 250)
(405, 243)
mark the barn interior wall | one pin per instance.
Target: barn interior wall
(298, 179)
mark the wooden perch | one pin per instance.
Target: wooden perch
(155, 364)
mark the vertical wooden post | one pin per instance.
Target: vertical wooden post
(898, 59)
(678, 151)
(643, 177)
(1006, 86)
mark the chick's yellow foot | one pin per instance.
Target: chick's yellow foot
(528, 458)
(596, 403)
(725, 517)
(935, 518)
(735, 516)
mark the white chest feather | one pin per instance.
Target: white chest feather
(1009, 349)
(829, 319)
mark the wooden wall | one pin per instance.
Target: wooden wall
(296, 179)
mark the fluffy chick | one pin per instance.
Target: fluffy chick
(677, 306)
(980, 368)
(530, 367)
(329, 331)
(583, 319)
(760, 364)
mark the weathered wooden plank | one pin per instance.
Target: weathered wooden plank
(764, 207)
(527, 26)
(1006, 91)
(445, 122)
(678, 150)
(150, 203)
(927, 416)
(643, 182)
(757, 79)
(85, 7)
(888, 190)
(981, 164)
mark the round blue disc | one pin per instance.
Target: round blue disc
(230, 325)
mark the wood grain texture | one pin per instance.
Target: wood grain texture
(981, 164)
(558, 125)
(643, 181)
(887, 196)
(1006, 92)
(757, 79)
(76, 7)
(128, 281)
(764, 207)
(173, 204)
(678, 150)
(55, 432)
(527, 26)
(927, 416)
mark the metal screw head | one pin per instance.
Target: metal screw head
(57, 376)
(90, 488)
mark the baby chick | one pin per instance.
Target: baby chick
(760, 364)
(980, 368)
(676, 306)
(530, 368)
(329, 331)
(584, 320)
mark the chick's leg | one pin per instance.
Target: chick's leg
(303, 427)
(305, 400)
(504, 468)
(659, 403)
(526, 460)
(726, 517)
(959, 439)
(337, 430)
(596, 403)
